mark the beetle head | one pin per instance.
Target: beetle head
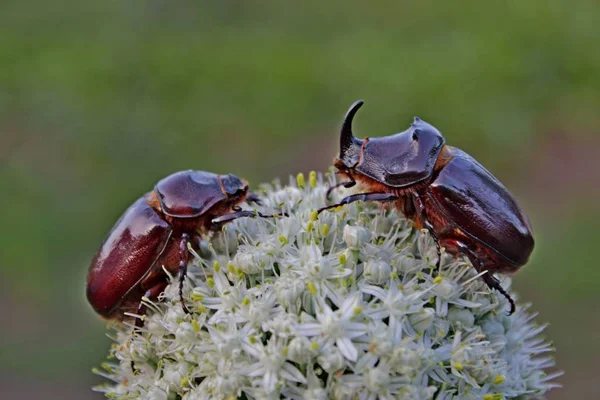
(235, 188)
(398, 160)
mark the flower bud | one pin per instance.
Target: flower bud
(356, 236)
(331, 361)
(377, 271)
(173, 373)
(461, 317)
(156, 393)
(185, 333)
(406, 361)
(288, 290)
(299, 350)
(422, 320)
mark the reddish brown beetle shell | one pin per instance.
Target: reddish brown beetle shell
(134, 244)
(469, 196)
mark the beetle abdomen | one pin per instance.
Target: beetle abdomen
(474, 200)
(133, 245)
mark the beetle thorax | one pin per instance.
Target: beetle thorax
(201, 223)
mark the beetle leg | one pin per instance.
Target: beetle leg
(217, 222)
(437, 243)
(488, 278)
(183, 260)
(423, 217)
(373, 196)
(347, 185)
(494, 283)
(151, 293)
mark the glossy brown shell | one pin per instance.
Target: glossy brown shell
(189, 194)
(480, 206)
(126, 256)
(403, 159)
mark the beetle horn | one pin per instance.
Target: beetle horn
(346, 138)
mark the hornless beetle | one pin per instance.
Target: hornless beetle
(154, 232)
(443, 189)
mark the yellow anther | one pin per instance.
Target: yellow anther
(312, 179)
(300, 180)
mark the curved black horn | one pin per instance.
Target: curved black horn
(346, 134)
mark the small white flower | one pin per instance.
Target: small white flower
(272, 366)
(337, 327)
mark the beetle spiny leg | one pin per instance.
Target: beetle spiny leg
(488, 278)
(494, 283)
(183, 254)
(347, 185)
(151, 293)
(437, 244)
(217, 222)
(372, 196)
(332, 188)
(420, 207)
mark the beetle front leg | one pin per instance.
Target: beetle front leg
(219, 221)
(183, 261)
(347, 185)
(423, 217)
(373, 196)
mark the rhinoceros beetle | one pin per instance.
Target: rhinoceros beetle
(442, 189)
(154, 233)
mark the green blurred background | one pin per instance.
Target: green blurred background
(99, 100)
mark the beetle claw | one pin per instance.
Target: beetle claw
(494, 283)
(347, 185)
(184, 308)
(253, 198)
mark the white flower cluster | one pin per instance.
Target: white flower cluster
(344, 305)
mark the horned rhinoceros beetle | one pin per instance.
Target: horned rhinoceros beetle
(154, 232)
(443, 189)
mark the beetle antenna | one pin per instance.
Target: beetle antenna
(346, 133)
